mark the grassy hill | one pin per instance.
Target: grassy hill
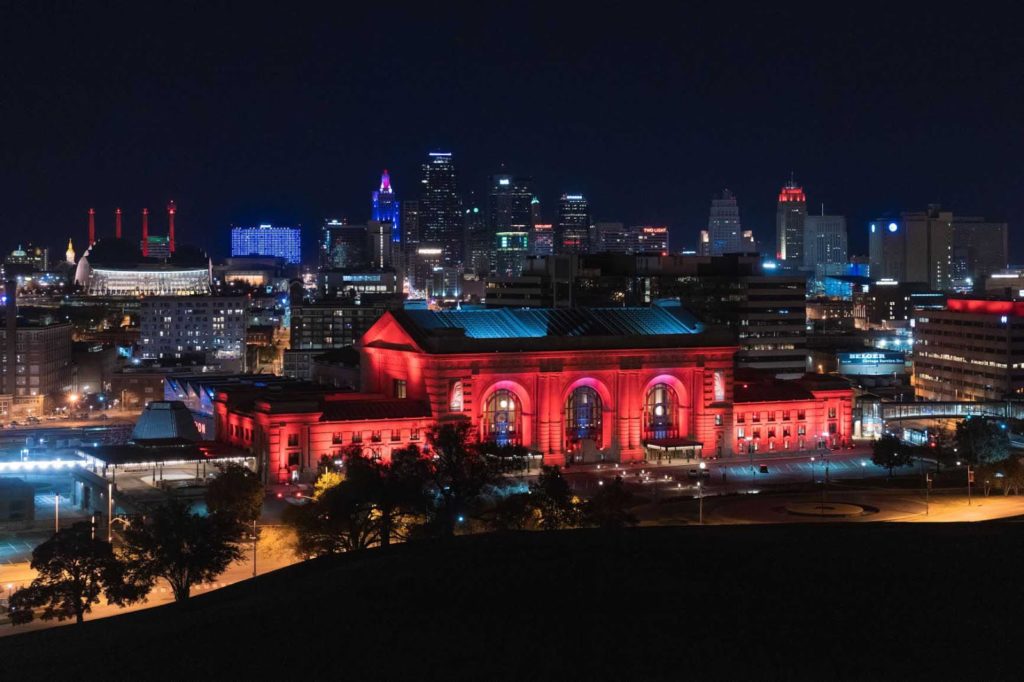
(861, 601)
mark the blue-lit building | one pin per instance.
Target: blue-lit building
(267, 240)
(384, 207)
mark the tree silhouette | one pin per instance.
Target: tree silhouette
(889, 452)
(552, 495)
(236, 492)
(980, 441)
(609, 507)
(74, 569)
(181, 547)
(458, 474)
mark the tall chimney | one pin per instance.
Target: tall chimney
(170, 224)
(92, 226)
(117, 223)
(11, 371)
(145, 232)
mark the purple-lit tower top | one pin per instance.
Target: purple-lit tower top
(384, 206)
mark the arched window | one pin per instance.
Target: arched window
(660, 412)
(501, 418)
(583, 416)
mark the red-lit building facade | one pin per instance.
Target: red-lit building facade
(579, 385)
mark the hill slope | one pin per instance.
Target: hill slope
(822, 602)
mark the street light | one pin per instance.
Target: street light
(700, 497)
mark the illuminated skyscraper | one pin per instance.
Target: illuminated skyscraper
(789, 224)
(724, 233)
(440, 218)
(267, 240)
(573, 234)
(479, 243)
(385, 207)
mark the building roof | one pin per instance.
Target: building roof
(769, 391)
(523, 329)
(165, 419)
(754, 387)
(366, 410)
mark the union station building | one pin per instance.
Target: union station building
(579, 385)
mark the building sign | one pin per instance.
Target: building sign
(719, 387)
(455, 401)
(872, 363)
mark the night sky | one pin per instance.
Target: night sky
(245, 113)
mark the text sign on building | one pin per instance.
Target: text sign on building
(871, 363)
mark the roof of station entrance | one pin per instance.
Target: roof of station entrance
(666, 325)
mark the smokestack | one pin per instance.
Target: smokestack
(145, 232)
(117, 223)
(170, 225)
(11, 372)
(92, 226)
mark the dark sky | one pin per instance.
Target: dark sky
(249, 112)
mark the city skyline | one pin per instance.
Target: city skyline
(839, 131)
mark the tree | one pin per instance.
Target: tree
(513, 512)
(458, 474)
(326, 481)
(552, 495)
(342, 519)
(609, 507)
(397, 490)
(889, 452)
(180, 547)
(236, 492)
(979, 441)
(74, 569)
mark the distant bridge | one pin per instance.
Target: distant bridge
(953, 410)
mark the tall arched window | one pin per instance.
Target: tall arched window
(501, 418)
(660, 412)
(583, 416)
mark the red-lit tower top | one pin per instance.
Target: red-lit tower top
(792, 193)
(92, 226)
(117, 223)
(170, 225)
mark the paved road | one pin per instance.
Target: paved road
(740, 474)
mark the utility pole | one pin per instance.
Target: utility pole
(56, 512)
(254, 548)
(927, 492)
(970, 480)
(700, 497)
(110, 512)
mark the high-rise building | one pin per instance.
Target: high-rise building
(724, 233)
(441, 218)
(573, 224)
(649, 239)
(612, 237)
(824, 241)
(789, 225)
(410, 232)
(344, 246)
(381, 244)
(212, 327)
(979, 249)
(970, 351)
(917, 246)
(510, 207)
(384, 207)
(542, 241)
(535, 216)
(479, 242)
(510, 251)
(267, 240)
